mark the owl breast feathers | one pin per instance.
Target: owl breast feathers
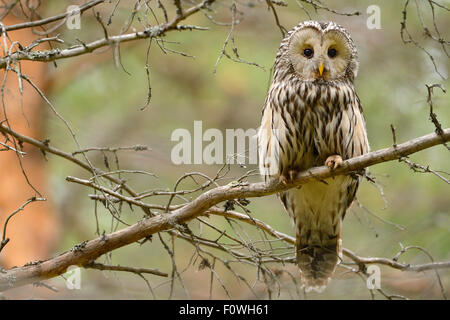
(312, 116)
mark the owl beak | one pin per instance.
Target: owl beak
(321, 69)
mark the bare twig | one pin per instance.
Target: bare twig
(139, 271)
(5, 240)
(152, 32)
(42, 22)
(93, 249)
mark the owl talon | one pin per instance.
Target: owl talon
(283, 179)
(292, 175)
(334, 161)
(288, 177)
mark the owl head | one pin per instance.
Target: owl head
(320, 51)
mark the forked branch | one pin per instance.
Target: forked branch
(84, 254)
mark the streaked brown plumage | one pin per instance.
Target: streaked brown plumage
(313, 116)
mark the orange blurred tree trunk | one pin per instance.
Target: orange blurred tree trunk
(33, 232)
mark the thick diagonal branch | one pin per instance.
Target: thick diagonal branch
(93, 249)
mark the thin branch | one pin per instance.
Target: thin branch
(5, 240)
(396, 265)
(93, 249)
(152, 32)
(45, 147)
(42, 22)
(139, 271)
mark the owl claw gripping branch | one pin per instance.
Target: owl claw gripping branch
(333, 162)
(313, 116)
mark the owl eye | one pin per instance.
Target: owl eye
(308, 52)
(332, 52)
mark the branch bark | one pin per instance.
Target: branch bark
(41, 22)
(156, 31)
(350, 254)
(140, 271)
(88, 251)
(45, 147)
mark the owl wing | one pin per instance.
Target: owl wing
(279, 143)
(270, 139)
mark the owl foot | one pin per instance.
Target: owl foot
(289, 177)
(333, 161)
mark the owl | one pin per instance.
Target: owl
(313, 117)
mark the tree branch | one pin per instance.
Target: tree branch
(396, 265)
(90, 250)
(139, 271)
(45, 147)
(36, 23)
(155, 31)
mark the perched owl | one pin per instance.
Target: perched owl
(312, 116)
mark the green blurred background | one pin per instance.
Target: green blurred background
(102, 102)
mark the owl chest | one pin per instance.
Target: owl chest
(316, 130)
(312, 122)
(320, 133)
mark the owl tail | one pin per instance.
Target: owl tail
(317, 262)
